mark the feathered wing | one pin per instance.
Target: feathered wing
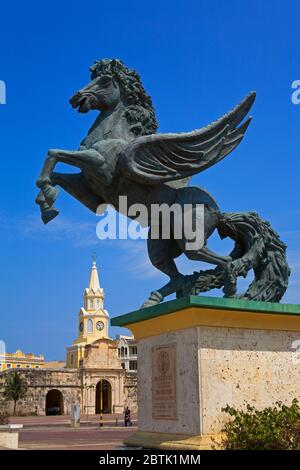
(160, 158)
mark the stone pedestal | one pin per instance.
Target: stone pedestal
(9, 435)
(198, 354)
(75, 416)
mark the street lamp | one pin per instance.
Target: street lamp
(101, 404)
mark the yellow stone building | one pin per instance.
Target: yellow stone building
(94, 355)
(99, 373)
(93, 321)
(19, 360)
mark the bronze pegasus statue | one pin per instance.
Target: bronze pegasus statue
(123, 155)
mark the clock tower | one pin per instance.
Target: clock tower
(92, 320)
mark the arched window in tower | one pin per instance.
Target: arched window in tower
(91, 303)
(97, 303)
(122, 351)
(90, 326)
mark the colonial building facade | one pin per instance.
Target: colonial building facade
(95, 374)
(127, 351)
(20, 360)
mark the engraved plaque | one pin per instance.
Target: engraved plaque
(164, 403)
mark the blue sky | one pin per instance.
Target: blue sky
(197, 59)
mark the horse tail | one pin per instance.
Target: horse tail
(257, 247)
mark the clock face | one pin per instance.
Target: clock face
(81, 326)
(99, 325)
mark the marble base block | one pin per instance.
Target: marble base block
(199, 354)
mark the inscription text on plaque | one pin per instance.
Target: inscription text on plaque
(164, 402)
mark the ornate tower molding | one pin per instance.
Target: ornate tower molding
(93, 319)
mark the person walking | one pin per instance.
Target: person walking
(127, 417)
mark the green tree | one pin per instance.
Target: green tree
(15, 388)
(273, 428)
(4, 415)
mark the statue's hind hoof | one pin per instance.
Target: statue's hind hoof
(154, 299)
(49, 214)
(50, 194)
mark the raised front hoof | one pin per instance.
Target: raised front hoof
(49, 214)
(50, 194)
(154, 299)
(40, 199)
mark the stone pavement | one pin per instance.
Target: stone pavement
(54, 432)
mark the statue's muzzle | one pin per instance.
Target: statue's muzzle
(80, 101)
(74, 100)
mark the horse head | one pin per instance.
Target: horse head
(112, 84)
(102, 93)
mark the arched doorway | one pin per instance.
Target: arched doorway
(106, 396)
(54, 403)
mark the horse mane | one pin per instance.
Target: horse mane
(139, 110)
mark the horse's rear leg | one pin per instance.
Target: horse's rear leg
(201, 252)
(207, 256)
(162, 254)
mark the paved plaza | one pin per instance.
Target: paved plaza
(54, 432)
